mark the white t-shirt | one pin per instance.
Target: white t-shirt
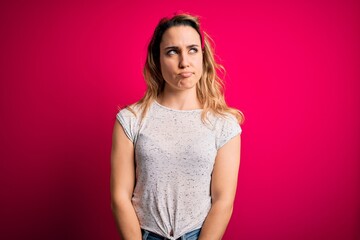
(174, 155)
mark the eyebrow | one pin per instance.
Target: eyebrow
(175, 47)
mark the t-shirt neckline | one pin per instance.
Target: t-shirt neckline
(177, 110)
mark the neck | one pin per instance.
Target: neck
(180, 100)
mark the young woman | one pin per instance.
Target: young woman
(176, 152)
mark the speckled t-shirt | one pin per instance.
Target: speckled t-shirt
(174, 155)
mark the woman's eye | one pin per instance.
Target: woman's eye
(171, 52)
(193, 50)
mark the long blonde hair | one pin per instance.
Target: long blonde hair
(210, 87)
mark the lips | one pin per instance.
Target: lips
(186, 74)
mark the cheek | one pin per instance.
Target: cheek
(167, 70)
(163, 66)
(199, 64)
(166, 66)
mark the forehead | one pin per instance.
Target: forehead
(180, 35)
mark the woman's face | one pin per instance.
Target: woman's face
(181, 57)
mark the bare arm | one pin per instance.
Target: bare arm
(223, 189)
(122, 183)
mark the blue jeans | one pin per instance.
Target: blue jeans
(193, 235)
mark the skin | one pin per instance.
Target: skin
(122, 183)
(180, 52)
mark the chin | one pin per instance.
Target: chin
(187, 85)
(188, 82)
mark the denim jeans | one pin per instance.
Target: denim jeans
(193, 235)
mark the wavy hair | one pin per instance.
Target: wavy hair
(210, 87)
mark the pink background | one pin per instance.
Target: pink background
(292, 68)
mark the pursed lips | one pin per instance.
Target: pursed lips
(185, 74)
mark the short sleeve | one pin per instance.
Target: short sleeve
(129, 122)
(228, 129)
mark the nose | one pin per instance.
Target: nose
(184, 60)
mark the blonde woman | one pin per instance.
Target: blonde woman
(176, 152)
